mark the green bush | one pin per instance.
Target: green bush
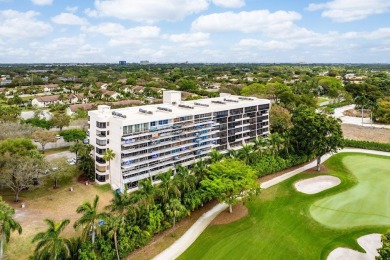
(367, 145)
(269, 164)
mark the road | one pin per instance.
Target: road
(339, 113)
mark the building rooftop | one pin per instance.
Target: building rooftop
(147, 113)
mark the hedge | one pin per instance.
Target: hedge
(385, 147)
(270, 164)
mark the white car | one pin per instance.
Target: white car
(72, 161)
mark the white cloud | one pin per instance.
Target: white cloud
(229, 3)
(247, 22)
(66, 49)
(42, 2)
(69, 19)
(191, 39)
(148, 10)
(72, 9)
(19, 25)
(350, 10)
(120, 35)
(266, 45)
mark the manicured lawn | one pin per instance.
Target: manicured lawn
(364, 204)
(280, 226)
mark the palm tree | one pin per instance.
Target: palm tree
(362, 101)
(215, 156)
(113, 224)
(90, 218)
(185, 181)
(275, 141)
(233, 154)
(145, 194)
(167, 187)
(174, 209)
(119, 204)
(199, 170)
(260, 143)
(50, 244)
(108, 156)
(245, 152)
(75, 148)
(7, 224)
(287, 142)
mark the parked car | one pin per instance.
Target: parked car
(72, 161)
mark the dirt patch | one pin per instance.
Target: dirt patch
(363, 133)
(166, 238)
(357, 112)
(239, 211)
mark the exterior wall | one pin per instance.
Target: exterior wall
(35, 102)
(184, 136)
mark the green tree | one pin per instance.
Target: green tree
(184, 180)
(112, 226)
(381, 112)
(17, 146)
(75, 148)
(384, 251)
(43, 137)
(89, 219)
(61, 170)
(230, 181)
(187, 85)
(245, 152)
(7, 224)
(215, 156)
(199, 170)
(86, 162)
(146, 194)
(175, 209)
(167, 187)
(60, 120)
(315, 134)
(73, 135)
(9, 114)
(50, 243)
(280, 119)
(108, 156)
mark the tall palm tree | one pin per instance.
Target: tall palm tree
(184, 180)
(145, 194)
(113, 224)
(260, 144)
(175, 209)
(245, 152)
(119, 204)
(50, 244)
(167, 187)
(7, 224)
(276, 141)
(90, 218)
(108, 156)
(362, 101)
(199, 170)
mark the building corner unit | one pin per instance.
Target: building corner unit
(151, 139)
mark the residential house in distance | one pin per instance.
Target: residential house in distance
(46, 101)
(107, 94)
(78, 98)
(49, 88)
(73, 108)
(152, 139)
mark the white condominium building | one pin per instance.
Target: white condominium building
(151, 139)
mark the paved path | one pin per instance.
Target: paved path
(339, 113)
(184, 242)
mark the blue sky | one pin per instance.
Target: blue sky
(342, 31)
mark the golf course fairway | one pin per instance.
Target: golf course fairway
(280, 223)
(365, 204)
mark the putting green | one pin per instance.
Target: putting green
(366, 204)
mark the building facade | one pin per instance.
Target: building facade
(151, 139)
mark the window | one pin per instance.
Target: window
(163, 122)
(153, 123)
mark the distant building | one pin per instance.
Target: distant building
(144, 62)
(5, 82)
(122, 62)
(46, 101)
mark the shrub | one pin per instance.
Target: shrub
(367, 145)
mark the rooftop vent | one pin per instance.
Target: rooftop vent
(246, 98)
(186, 106)
(201, 104)
(164, 109)
(230, 100)
(218, 102)
(118, 114)
(145, 111)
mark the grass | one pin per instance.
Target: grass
(321, 99)
(46, 202)
(280, 226)
(56, 150)
(355, 207)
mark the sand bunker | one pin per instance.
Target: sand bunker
(316, 184)
(370, 243)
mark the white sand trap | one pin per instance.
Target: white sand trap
(317, 184)
(370, 243)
